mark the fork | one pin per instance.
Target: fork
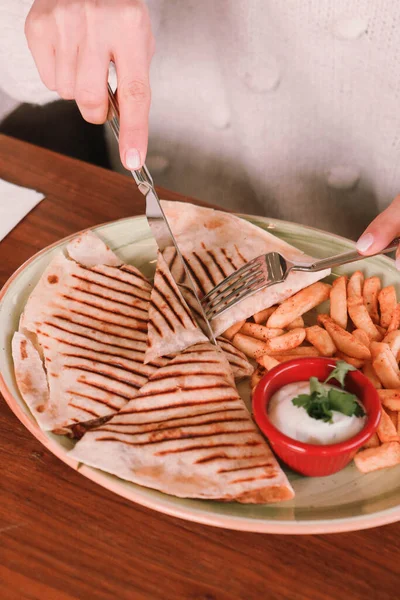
(266, 270)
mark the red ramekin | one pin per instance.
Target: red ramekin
(311, 459)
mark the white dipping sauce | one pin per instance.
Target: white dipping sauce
(295, 422)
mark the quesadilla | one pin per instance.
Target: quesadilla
(79, 352)
(171, 327)
(188, 433)
(215, 244)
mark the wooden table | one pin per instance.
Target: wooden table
(62, 537)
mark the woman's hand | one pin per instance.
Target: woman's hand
(73, 42)
(382, 231)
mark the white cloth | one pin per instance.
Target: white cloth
(282, 108)
(15, 203)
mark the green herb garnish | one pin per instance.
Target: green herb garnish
(320, 403)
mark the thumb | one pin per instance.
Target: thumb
(381, 231)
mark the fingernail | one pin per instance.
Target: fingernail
(132, 159)
(365, 242)
(397, 263)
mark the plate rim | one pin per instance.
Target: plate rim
(238, 523)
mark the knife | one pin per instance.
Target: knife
(161, 230)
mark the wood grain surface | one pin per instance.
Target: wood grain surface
(62, 537)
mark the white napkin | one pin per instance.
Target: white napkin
(15, 203)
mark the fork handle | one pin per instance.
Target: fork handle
(342, 259)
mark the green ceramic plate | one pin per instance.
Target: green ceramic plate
(342, 502)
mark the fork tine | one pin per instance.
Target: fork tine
(248, 283)
(251, 265)
(236, 284)
(213, 314)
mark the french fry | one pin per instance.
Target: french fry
(355, 285)
(248, 345)
(343, 340)
(359, 315)
(369, 372)
(387, 372)
(393, 339)
(372, 459)
(393, 414)
(377, 347)
(287, 341)
(285, 357)
(390, 399)
(387, 302)
(268, 362)
(338, 297)
(358, 363)
(301, 351)
(395, 321)
(386, 431)
(299, 304)
(321, 340)
(263, 315)
(371, 289)
(299, 322)
(256, 377)
(361, 336)
(381, 330)
(230, 333)
(373, 441)
(260, 332)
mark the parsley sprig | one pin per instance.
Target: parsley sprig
(320, 402)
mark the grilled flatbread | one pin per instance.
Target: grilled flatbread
(79, 352)
(172, 328)
(188, 433)
(215, 244)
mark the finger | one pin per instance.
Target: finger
(91, 86)
(382, 230)
(134, 105)
(66, 64)
(398, 258)
(42, 51)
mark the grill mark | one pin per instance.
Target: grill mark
(181, 405)
(204, 414)
(86, 410)
(110, 364)
(185, 389)
(157, 377)
(167, 301)
(205, 269)
(195, 351)
(107, 287)
(267, 464)
(137, 274)
(102, 320)
(190, 448)
(112, 312)
(133, 271)
(178, 299)
(151, 322)
(194, 276)
(171, 264)
(97, 295)
(240, 254)
(99, 372)
(245, 479)
(169, 428)
(98, 400)
(177, 439)
(228, 258)
(215, 260)
(196, 361)
(104, 388)
(166, 319)
(224, 456)
(88, 337)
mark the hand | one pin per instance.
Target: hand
(382, 231)
(73, 42)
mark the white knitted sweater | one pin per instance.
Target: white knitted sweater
(287, 108)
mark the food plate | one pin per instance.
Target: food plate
(345, 501)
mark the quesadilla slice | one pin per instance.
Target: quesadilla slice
(189, 434)
(171, 326)
(79, 352)
(215, 244)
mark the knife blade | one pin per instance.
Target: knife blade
(161, 230)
